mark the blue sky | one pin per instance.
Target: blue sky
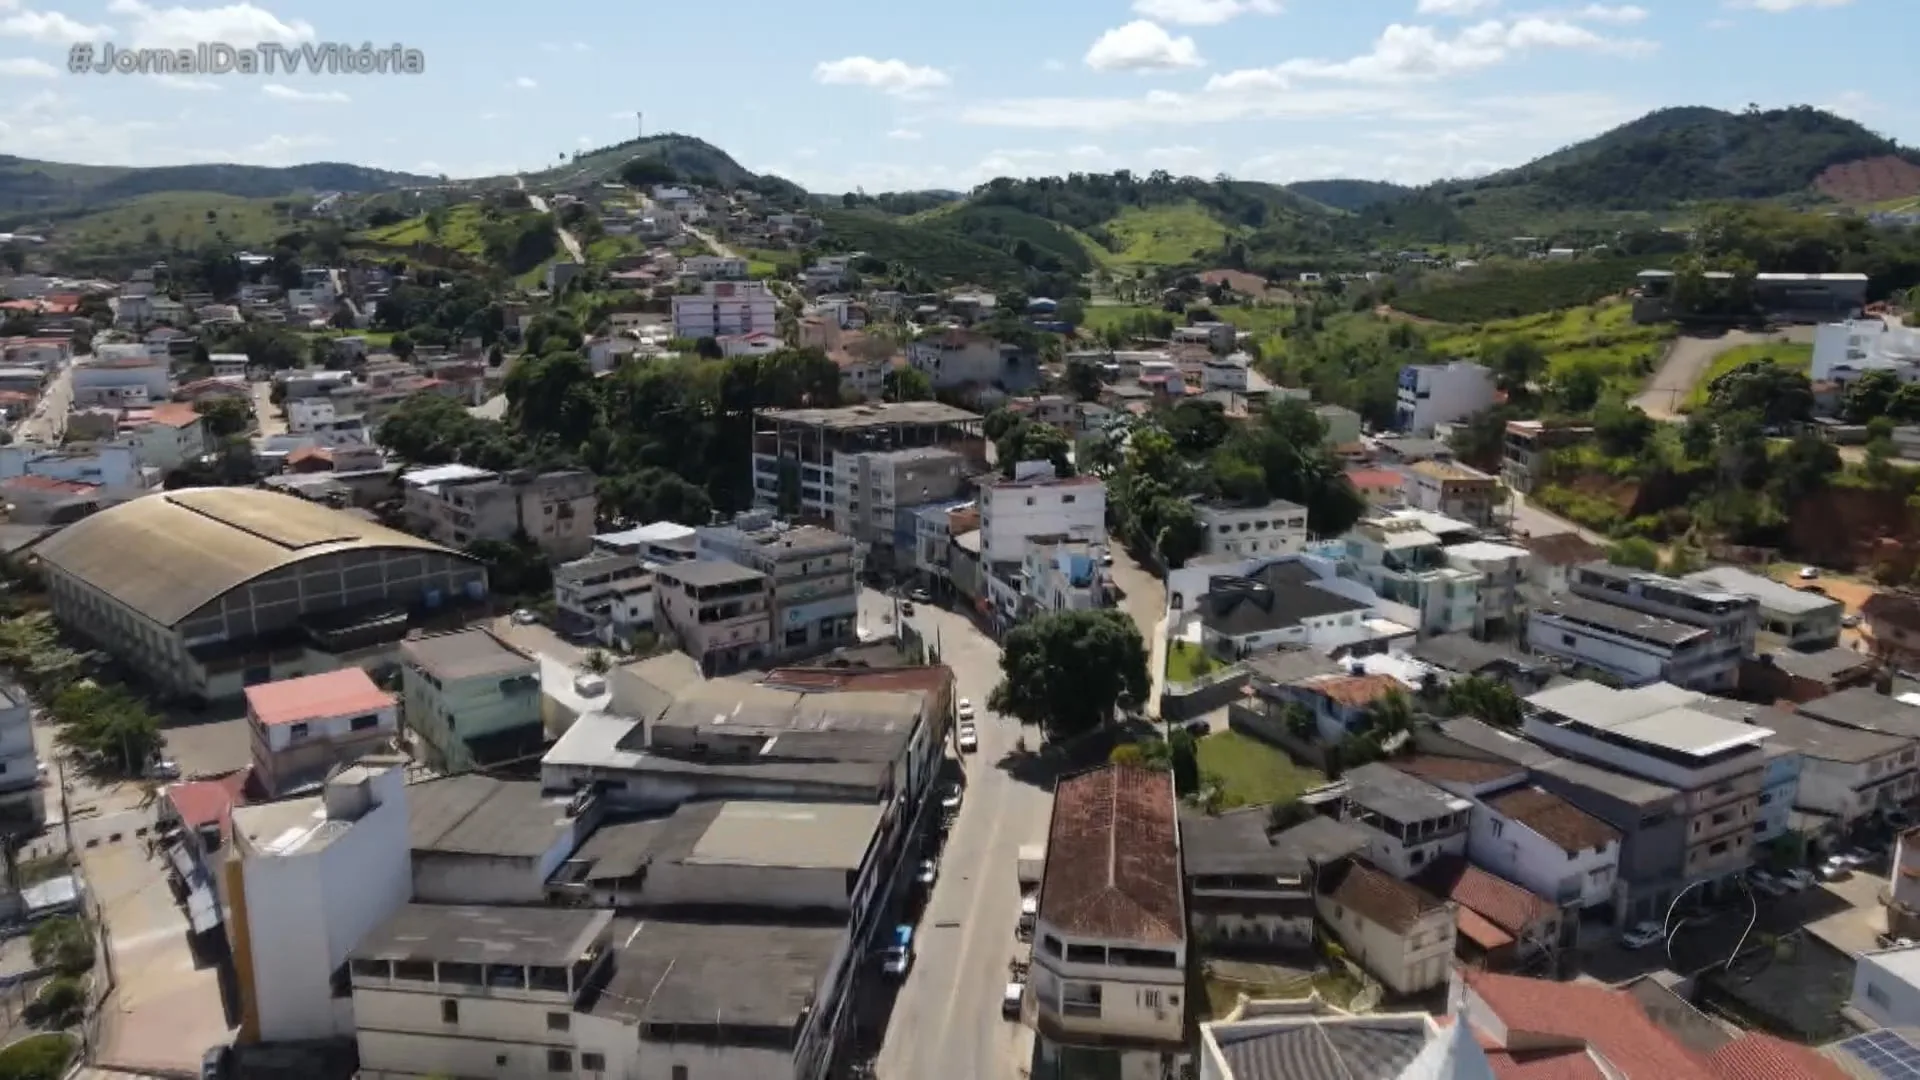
(891, 95)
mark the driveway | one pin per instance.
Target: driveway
(1687, 362)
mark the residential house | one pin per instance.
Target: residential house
(659, 542)
(813, 576)
(305, 728)
(1407, 821)
(1655, 732)
(1430, 394)
(458, 504)
(1274, 528)
(1460, 656)
(1893, 625)
(1062, 575)
(725, 307)
(953, 359)
(1282, 1040)
(719, 613)
(1340, 702)
(1250, 887)
(1284, 603)
(120, 379)
(714, 267)
(1035, 502)
(1886, 986)
(1804, 619)
(167, 436)
(1499, 924)
(1341, 423)
(1635, 648)
(757, 343)
(1783, 674)
(471, 697)
(869, 490)
(1528, 446)
(1109, 971)
(604, 594)
(1379, 487)
(1503, 570)
(1845, 774)
(1554, 557)
(1733, 620)
(1399, 557)
(1400, 933)
(1453, 489)
(935, 528)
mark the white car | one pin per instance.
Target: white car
(929, 872)
(965, 709)
(969, 739)
(1643, 935)
(1835, 869)
(1808, 573)
(950, 802)
(1765, 883)
(1796, 879)
(1010, 999)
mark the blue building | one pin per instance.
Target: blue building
(1777, 791)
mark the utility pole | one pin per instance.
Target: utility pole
(640, 124)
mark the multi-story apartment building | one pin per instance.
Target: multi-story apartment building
(871, 489)
(304, 728)
(1503, 569)
(22, 799)
(1062, 575)
(714, 267)
(471, 697)
(458, 504)
(802, 463)
(1275, 528)
(1844, 773)
(1791, 618)
(726, 307)
(1247, 884)
(1432, 394)
(1718, 765)
(1036, 503)
(1529, 444)
(1408, 822)
(813, 574)
(1453, 489)
(1397, 557)
(660, 542)
(956, 358)
(1637, 649)
(604, 594)
(1109, 973)
(720, 612)
(1733, 620)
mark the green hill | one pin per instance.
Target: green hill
(29, 187)
(928, 248)
(1028, 239)
(176, 221)
(694, 159)
(1349, 195)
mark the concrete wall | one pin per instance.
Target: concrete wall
(1185, 701)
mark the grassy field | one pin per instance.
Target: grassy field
(179, 220)
(461, 232)
(1251, 772)
(1602, 337)
(765, 263)
(1165, 235)
(1789, 354)
(1256, 320)
(1187, 662)
(609, 248)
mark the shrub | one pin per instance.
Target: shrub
(60, 1003)
(37, 1057)
(64, 944)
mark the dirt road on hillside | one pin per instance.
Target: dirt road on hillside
(1688, 360)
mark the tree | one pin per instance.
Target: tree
(904, 383)
(1083, 379)
(1178, 534)
(1516, 364)
(1870, 396)
(401, 345)
(1299, 721)
(1487, 699)
(64, 944)
(1622, 429)
(646, 172)
(1067, 671)
(1390, 715)
(1030, 440)
(1635, 553)
(1183, 756)
(708, 348)
(224, 417)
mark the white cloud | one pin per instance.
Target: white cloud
(1142, 46)
(523, 83)
(50, 26)
(1203, 12)
(27, 68)
(1617, 14)
(1455, 7)
(184, 27)
(895, 77)
(182, 82)
(1404, 53)
(46, 125)
(1777, 6)
(903, 134)
(283, 92)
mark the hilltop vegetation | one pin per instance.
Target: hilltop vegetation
(176, 221)
(1508, 290)
(928, 251)
(1349, 195)
(686, 157)
(1030, 240)
(29, 187)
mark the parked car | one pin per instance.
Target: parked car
(1857, 856)
(1106, 558)
(922, 595)
(964, 709)
(1808, 573)
(1835, 869)
(950, 801)
(1642, 935)
(1765, 882)
(897, 959)
(969, 739)
(164, 769)
(1010, 1000)
(1797, 878)
(929, 872)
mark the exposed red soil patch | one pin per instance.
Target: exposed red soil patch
(1244, 283)
(1870, 180)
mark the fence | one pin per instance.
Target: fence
(1269, 726)
(1185, 701)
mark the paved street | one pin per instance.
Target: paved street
(946, 1022)
(49, 419)
(1531, 520)
(1144, 599)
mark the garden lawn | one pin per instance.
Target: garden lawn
(1785, 353)
(1252, 773)
(1187, 662)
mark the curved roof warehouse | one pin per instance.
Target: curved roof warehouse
(208, 589)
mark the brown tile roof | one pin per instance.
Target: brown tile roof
(1610, 1021)
(1501, 902)
(1755, 1056)
(1563, 549)
(1555, 818)
(1901, 609)
(1113, 858)
(1558, 1063)
(1355, 690)
(1481, 930)
(1378, 896)
(1436, 768)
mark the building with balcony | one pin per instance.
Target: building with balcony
(458, 504)
(604, 594)
(1408, 822)
(1036, 503)
(813, 574)
(723, 308)
(1249, 886)
(1843, 773)
(1503, 569)
(1108, 981)
(1400, 933)
(471, 697)
(659, 542)
(1430, 394)
(1400, 558)
(720, 613)
(23, 802)
(1528, 447)
(1062, 575)
(1802, 619)
(1733, 620)
(871, 489)
(1634, 648)
(1275, 528)
(1453, 489)
(1717, 765)
(805, 460)
(304, 728)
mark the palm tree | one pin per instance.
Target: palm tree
(597, 662)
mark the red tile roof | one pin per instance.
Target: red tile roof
(1762, 1057)
(209, 802)
(347, 692)
(49, 485)
(1504, 904)
(1555, 818)
(1433, 767)
(1113, 858)
(1563, 549)
(1611, 1021)
(1377, 896)
(1476, 928)
(174, 414)
(1368, 479)
(1355, 691)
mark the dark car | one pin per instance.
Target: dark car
(217, 1063)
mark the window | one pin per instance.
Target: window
(1567, 640)
(449, 1011)
(1149, 999)
(592, 1062)
(296, 732)
(1066, 498)
(362, 723)
(1050, 945)
(559, 1061)
(559, 1021)
(1499, 827)
(1080, 999)
(339, 984)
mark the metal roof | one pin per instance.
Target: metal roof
(538, 936)
(166, 555)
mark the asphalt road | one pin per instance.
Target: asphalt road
(49, 419)
(1687, 362)
(946, 1022)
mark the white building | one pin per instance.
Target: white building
(21, 795)
(1402, 557)
(227, 365)
(1432, 394)
(1503, 568)
(1886, 986)
(1038, 503)
(956, 358)
(304, 728)
(1408, 822)
(131, 378)
(653, 544)
(722, 308)
(1845, 773)
(1635, 648)
(606, 594)
(1843, 351)
(1277, 528)
(758, 343)
(306, 880)
(1403, 935)
(714, 267)
(110, 466)
(1062, 576)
